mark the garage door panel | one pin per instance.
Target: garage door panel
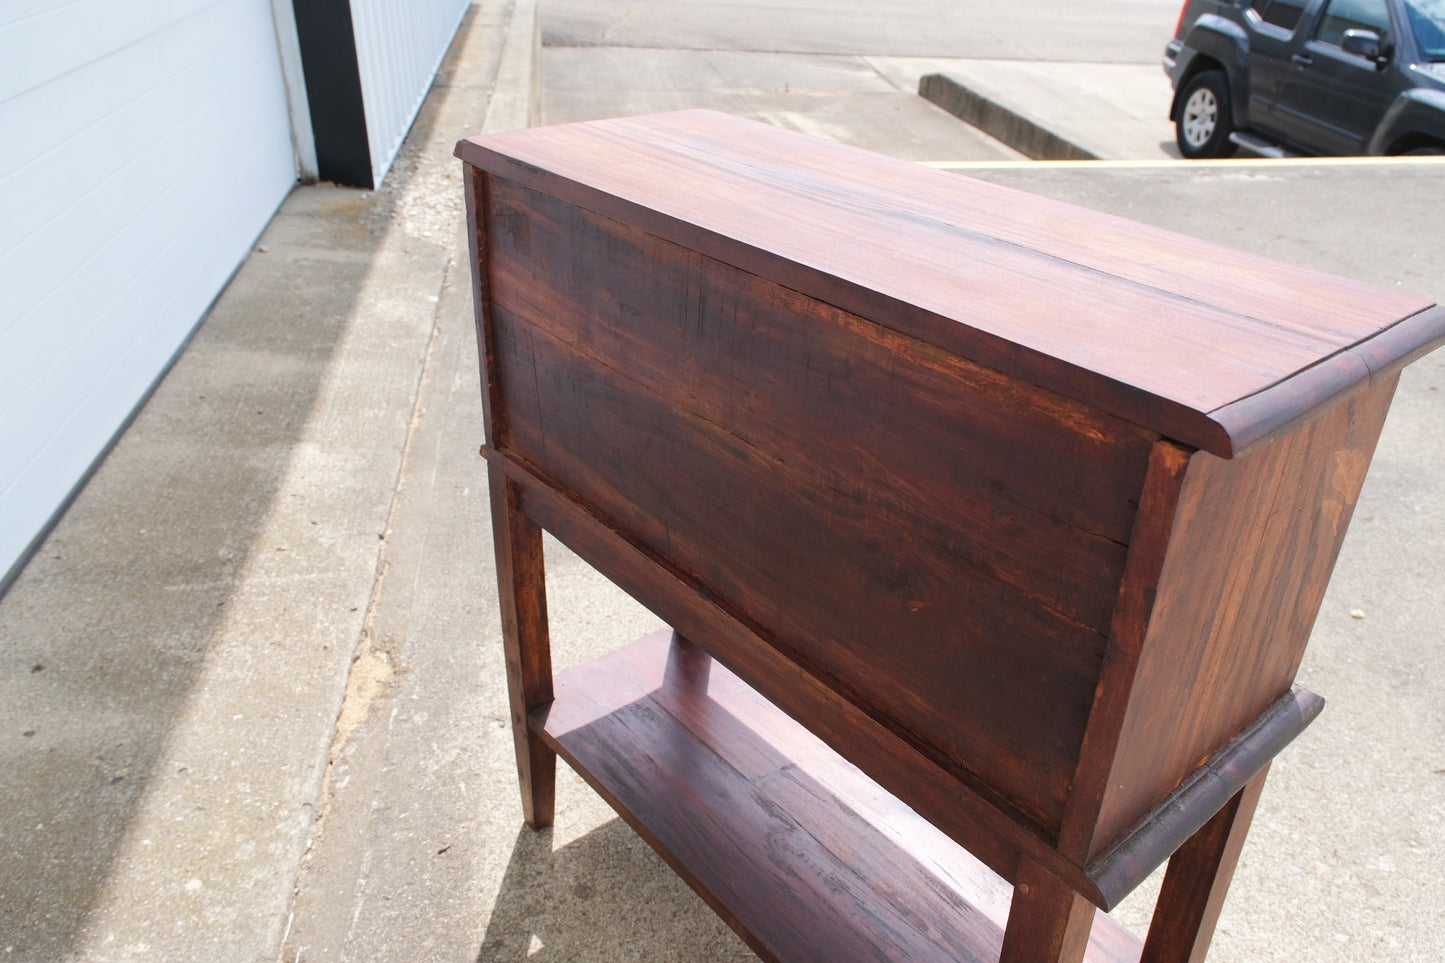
(398, 48)
(114, 210)
(167, 190)
(207, 226)
(63, 419)
(63, 163)
(51, 43)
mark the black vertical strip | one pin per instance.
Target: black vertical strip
(333, 87)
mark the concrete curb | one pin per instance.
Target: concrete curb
(516, 94)
(996, 120)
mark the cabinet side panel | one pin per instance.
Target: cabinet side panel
(1253, 545)
(935, 541)
(476, 186)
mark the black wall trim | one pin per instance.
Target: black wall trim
(333, 88)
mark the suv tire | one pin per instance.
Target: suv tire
(1202, 120)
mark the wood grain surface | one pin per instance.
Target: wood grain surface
(1155, 327)
(872, 487)
(1246, 564)
(803, 854)
(961, 807)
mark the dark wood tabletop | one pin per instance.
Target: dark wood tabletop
(1198, 341)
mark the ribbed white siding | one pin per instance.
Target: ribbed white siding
(143, 146)
(399, 45)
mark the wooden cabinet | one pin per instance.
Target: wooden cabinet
(978, 517)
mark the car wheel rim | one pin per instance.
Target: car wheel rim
(1201, 114)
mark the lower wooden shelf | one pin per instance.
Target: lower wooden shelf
(804, 855)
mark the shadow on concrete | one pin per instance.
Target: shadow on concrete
(105, 630)
(103, 633)
(565, 905)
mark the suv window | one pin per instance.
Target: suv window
(1284, 14)
(1342, 15)
(1428, 19)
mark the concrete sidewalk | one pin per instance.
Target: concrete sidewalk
(200, 636)
(252, 698)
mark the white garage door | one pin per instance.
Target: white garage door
(143, 147)
(398, 49)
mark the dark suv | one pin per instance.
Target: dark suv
(1309, 77)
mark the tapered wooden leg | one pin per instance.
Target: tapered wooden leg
(1198, 880)
(1048, 921)
(522, 588)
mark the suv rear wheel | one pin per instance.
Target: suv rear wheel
(1202, 120)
